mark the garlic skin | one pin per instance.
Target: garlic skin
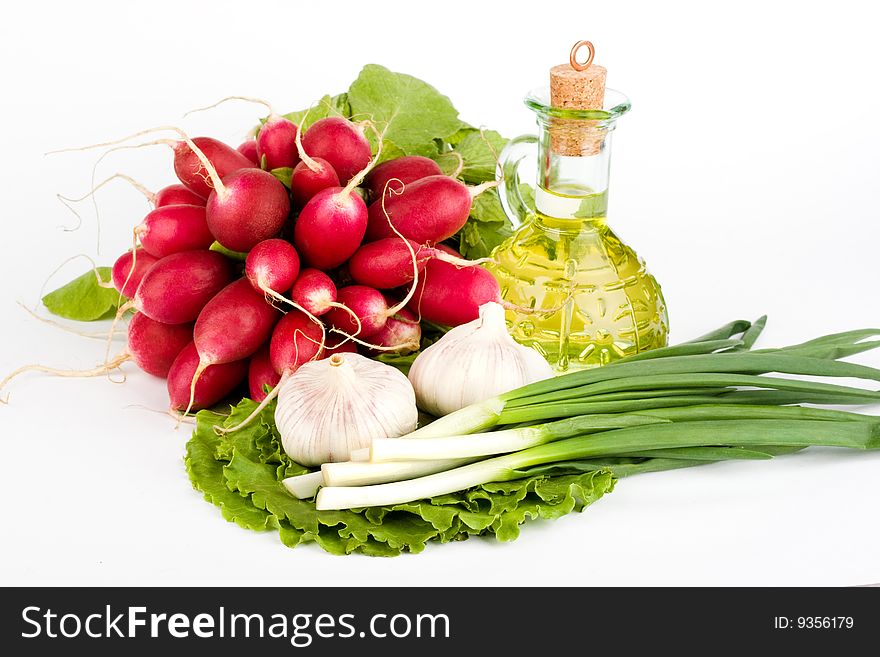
(473, 362)
(330, 407)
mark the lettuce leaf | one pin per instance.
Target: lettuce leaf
(241, 473)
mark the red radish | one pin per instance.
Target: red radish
(309, 177)
(296, 340)
(341, 143)
(154, 346)
(261, 374)
(452, 295)
(213, 385)
(176, 288)
(428, 211)
(315, 291)
(246, 207)
(387, 263)
(129, 269)
(400, 335)
(174, 228)
(177, 195)
(406, 169)
(330, 227)
(272, 266)
(276, 143)
(366, 303)
(249, 150)
(232, 326)
(190, 168)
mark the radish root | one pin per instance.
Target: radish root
(45, 320)
(247, 99)
(358, 178)
(310, 163)
(459, 167)
(409, 295)
(106, 368)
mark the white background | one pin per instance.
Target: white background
(746, 175)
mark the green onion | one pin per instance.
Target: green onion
(499, 442)
(677, 368)
(790, 433)
(359, 473)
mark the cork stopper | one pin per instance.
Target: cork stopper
(579, 86)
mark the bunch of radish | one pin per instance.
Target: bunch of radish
(349, 257)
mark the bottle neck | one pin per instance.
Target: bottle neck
(573, 187)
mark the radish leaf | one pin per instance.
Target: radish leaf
(84, 299)
(411, 112)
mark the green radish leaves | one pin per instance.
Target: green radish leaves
(479, 150)
(411, 113)
(487, 227)
(241, 473)
(84, 298)
(283, 175)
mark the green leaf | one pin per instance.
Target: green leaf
(283, 174)
(479, 239)
(479, 151)
(84, 299)
(390, 150)
(463, 131)
(241, 473)
(411, 112)
(206, 474)
(328, 106)
(486, 228)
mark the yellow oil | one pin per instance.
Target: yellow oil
(583, 298)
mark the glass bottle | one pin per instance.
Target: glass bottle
(577, 293)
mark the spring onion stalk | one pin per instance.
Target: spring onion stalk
(513, 440)
(791, 433)
(360, 455)
(704, 371)
(622, 466)
(702, 454)
(476, 417)
(304, 486)
(698, 379)
(687, 349)
(355, 473)
(754, 412)
(571, 408)
(500, 442)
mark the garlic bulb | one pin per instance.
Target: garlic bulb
(329, 407)
(473, 362)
